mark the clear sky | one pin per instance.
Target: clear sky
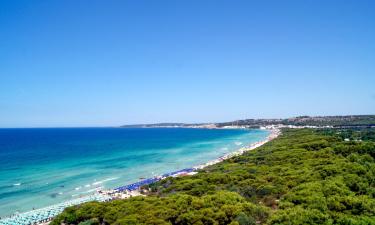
(105, 63)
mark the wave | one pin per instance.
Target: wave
(105, 180)
(92, 190)
(17, 184)
(238, 143)
(97, 183)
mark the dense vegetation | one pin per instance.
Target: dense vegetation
(353, 134)
(303, 177)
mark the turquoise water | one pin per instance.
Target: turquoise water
(40, 167)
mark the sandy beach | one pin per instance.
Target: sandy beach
(274, 133)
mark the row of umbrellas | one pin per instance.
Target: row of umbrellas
(45, 214)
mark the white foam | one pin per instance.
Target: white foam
(96, 183)
(92, 190)
(238, 143)
(105, 180)
(17, 184)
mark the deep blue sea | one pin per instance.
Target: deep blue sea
(40, 167)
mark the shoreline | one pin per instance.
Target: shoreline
(274, 133)
(132, 190)
(126, 193)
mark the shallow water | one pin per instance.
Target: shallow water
(40, 167)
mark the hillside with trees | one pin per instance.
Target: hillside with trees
(335, 121)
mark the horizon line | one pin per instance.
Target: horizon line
(134, 124)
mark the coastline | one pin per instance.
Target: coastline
(274, 133)
(132, 190)
(129, 190)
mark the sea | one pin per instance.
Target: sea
(44, 166)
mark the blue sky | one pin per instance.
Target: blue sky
(105, 63)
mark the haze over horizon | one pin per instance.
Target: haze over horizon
(110, 63)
